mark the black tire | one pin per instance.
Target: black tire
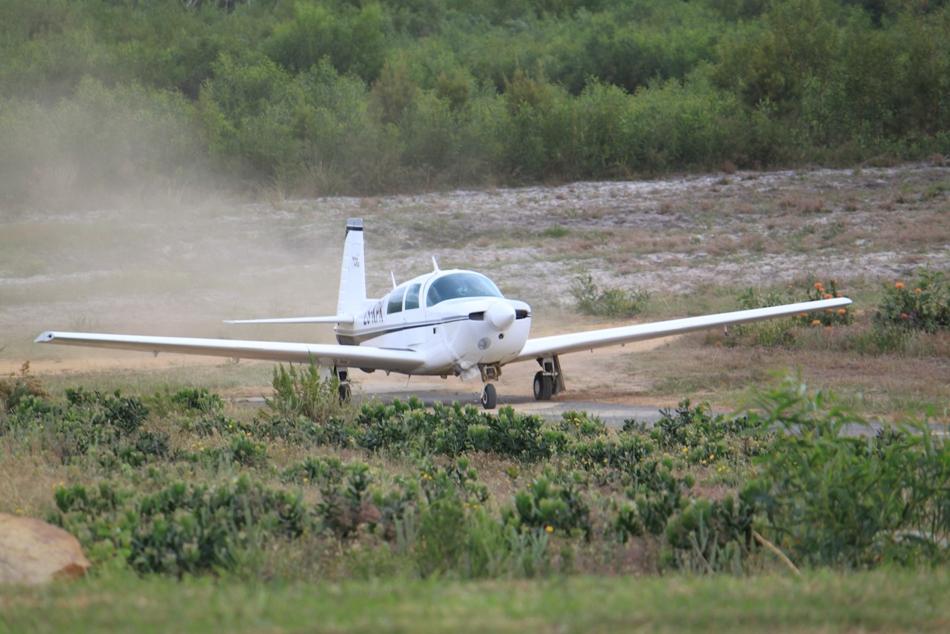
(489, 396)
(543, 387)
(345, 392)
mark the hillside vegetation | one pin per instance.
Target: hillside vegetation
(313, 97)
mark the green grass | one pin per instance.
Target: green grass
(886, 600)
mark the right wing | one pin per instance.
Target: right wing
(346, 356)
(574, 342)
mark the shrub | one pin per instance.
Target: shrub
(304, 393)
(922, 305)
(240, 451)
(181, 528)
(18, 386)
(656, 492)
(198, 400)
(553, 502)
(704, 438)
(710, 536)
(107, 425)
(607, 302)
(830, 499)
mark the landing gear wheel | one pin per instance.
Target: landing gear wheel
(543, 387)
(489, 396)
(345, 393)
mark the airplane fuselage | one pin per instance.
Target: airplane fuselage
(457, 319)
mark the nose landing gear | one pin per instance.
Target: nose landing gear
(489, 396)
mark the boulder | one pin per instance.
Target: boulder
(34, 552)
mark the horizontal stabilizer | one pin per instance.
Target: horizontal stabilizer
(329, 319)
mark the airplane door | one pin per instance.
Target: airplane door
(412, 313)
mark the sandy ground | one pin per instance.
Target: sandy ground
(182, 271)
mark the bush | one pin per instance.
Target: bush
(107, 426)
(553, 502)
(181, 528)
(304, 393)
(923, 305)
(18, 386)
(830, 499)
(656, 492)
(198, 400)
(607, 302)
(711, 536)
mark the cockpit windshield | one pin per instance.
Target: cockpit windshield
(457, 285)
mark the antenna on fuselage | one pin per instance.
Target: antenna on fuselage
(393, 275)
(435, 265)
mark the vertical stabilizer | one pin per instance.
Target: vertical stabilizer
(352, 271)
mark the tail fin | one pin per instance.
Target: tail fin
(352, 271)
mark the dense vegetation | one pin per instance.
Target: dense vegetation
(180, 483)
(323, 96)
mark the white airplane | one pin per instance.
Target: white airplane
(441, 323)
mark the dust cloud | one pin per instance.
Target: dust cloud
(165, 270)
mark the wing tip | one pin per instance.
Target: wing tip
(45, 337)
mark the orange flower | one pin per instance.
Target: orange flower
(842, 311)
(827, 296)
(815, 322)
(905, 316)
(898, 285)
(803, 315)
(918, 290)
(819, 287)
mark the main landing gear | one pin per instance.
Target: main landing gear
(346, 392)
(548, 381)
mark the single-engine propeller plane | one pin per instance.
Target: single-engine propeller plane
(444, 322)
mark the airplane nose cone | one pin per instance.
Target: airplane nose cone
(501, 315)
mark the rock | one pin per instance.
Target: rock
(34, 552)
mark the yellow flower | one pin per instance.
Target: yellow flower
(548, 529)
(899, 285)
(815, 322)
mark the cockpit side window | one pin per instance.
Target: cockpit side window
(456, 285)
(412, 297)
(395, 301)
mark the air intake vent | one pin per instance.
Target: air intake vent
(521, 313)
(479, 316)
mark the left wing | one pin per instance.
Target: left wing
(347, 356)
(560, 344)
(328, 319)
